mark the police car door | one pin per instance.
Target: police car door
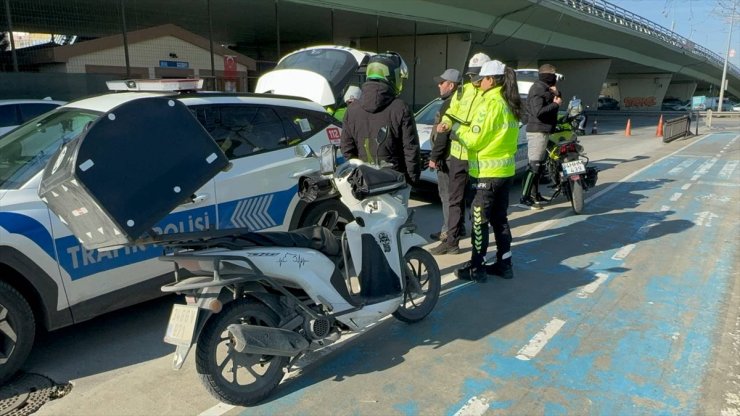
(260, 190)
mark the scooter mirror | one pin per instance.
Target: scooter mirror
(328, 159)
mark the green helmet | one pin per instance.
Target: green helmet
(388, 67)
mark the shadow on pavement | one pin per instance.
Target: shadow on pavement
(548, 265)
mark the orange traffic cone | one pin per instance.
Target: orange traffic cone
(628, 130)
(595, 127)
(659, 131)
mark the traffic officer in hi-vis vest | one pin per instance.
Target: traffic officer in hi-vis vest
(459, 113)
(491, 142)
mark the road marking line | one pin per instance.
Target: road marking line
(540, 339)
(623, 252)
(217, 410)
(665, 208)
(680, 168)
(476, 406)
(675, 197)
(686, 187)
(727, 170)
(695, 178)
(590, 288)
(704, 167)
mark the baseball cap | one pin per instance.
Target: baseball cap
(450, 74)
(492, 68)
(476, 62)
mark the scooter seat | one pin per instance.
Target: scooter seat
(315, 237)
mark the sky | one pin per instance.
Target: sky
(697, 20)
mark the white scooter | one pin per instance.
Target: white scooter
(257, 301)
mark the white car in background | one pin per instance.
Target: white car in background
(13, 113)
(424, 121)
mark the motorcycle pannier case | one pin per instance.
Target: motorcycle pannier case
(128, 170)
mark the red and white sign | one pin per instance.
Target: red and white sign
(333, 134)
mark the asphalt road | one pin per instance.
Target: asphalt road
(630, 308)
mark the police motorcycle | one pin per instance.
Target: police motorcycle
(566, 165)
(254, 301)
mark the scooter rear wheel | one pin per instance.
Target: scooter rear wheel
(237, 378)
(423, 283)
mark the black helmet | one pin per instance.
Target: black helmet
(388, 67)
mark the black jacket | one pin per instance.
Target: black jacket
(440, 141)
(542, 112)
(379, 107)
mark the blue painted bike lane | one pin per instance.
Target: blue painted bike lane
(613, 312)
(638, 338)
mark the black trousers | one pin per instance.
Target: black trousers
(458, 191)
(490, 205)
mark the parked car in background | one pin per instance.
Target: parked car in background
(49, 280)
(425, 119)
(16, 112)
(607, 103)
(672, 104)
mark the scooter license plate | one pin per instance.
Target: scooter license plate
(181, 327)
(573, 168)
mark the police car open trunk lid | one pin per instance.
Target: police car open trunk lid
(128, 170)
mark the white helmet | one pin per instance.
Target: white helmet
(476, 62)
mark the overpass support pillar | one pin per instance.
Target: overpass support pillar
(582, 78)
(643, 91)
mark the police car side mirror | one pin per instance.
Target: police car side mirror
(304, 151)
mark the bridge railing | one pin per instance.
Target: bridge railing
(612, 13)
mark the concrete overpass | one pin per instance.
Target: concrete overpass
(592, 42)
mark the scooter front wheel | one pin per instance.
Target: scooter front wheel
(237, 378)
(423, 283)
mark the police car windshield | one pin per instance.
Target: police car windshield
(338, 67)
(25, 150)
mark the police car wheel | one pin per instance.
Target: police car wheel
(314, 214)
(17, 331)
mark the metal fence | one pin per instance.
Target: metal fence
(619, 16)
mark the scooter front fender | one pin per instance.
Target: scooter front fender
(409, 240)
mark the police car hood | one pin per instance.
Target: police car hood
(298, 83)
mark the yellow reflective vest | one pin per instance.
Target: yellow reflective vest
(460, 111)
(491, 137)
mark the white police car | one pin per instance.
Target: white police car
(49, 280)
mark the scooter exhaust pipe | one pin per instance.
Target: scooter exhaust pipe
(250, 339)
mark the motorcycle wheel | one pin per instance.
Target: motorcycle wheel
(232, 377)
(423, 283)
(576, 200)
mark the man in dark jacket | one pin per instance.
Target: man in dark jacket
(543, 103)
(447, 83)
(379, 110)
